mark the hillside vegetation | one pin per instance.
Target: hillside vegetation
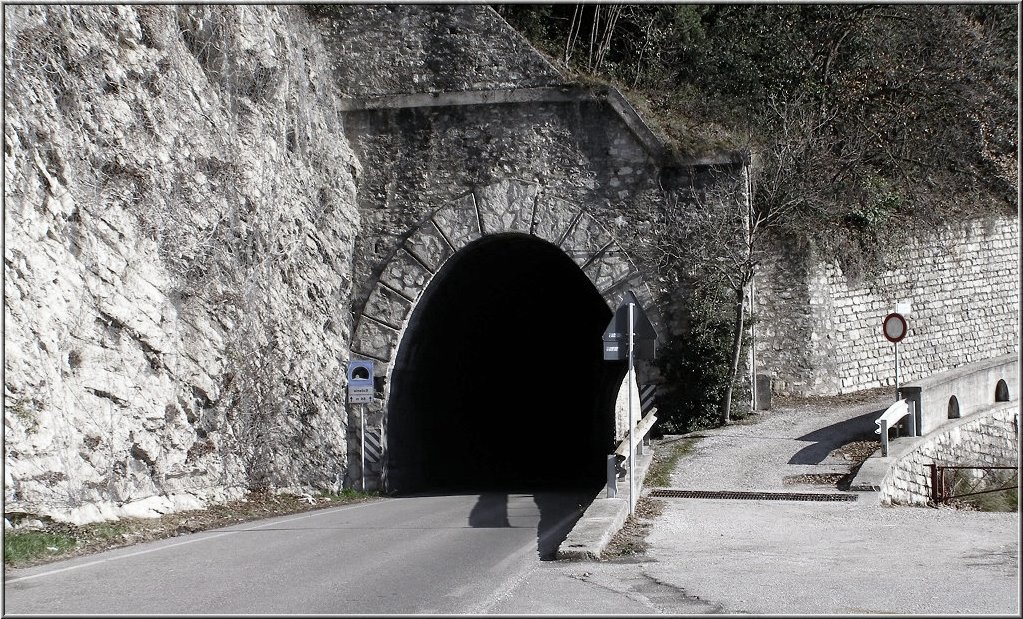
(866, 124)
(863, 118)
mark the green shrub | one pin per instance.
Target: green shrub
(696, 365)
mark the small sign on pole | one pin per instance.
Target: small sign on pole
(629, 336)
(616, 335)
(895, 328)
(360, 382)
(360, 391)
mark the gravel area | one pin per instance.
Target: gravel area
(790, 448)
(794, 557)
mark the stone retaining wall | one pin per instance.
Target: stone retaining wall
(989, 438)
(392, 49)
(820, 332)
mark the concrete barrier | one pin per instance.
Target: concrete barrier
(962, 391)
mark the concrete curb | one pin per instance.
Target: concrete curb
(871, 474)
(603, 518)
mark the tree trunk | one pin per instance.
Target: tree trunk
(740, 302)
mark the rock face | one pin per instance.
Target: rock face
(179, 226)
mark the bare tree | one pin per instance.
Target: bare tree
(713, 236)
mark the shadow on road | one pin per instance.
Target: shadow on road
(827, 439)
(490, 511)
(559, 511)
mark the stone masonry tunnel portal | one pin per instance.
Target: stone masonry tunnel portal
(499, 382)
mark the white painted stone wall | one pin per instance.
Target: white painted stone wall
(820, 332)
(177, 258)
(988, 438)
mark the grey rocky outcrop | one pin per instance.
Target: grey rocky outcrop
(179, 223)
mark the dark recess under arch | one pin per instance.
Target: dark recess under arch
(1001, 391)
(499, 382)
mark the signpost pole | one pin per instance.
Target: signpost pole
(632, 421)
(896, 371)
(362, 455)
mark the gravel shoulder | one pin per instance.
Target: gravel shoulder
(796, 557)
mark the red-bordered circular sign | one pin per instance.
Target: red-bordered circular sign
(894, 327)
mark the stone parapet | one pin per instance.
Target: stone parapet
(986, 438)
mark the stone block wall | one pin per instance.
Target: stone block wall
(179, 211)
(820, 332)
(417, 160)
(406, 48)
(987, 438)
(436, 178)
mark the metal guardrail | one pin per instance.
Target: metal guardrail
(616, 461)
(892, 415)
(943, 492)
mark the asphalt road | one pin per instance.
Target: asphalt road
(426, 554)
(479, 554)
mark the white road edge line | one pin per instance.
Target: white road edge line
(318, 512)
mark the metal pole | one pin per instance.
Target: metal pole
(362, 453)
(896, 371)
(632, 421)
(753, 345)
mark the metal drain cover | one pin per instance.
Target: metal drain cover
(673, 493)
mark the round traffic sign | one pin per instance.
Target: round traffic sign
(894, 327)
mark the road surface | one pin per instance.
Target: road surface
(424, 554)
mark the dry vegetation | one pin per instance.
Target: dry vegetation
(53, 541)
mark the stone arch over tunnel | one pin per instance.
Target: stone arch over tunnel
(499, 381)
(514, 220)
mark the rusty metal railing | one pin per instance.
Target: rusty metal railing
(942, 491)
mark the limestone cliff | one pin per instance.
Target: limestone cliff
(179, 224)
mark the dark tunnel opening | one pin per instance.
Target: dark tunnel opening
(499, 383)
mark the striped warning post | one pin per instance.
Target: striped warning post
(373, 447)
(646, 397)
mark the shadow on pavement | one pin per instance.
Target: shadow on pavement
(827, 439)
(490, 511)
(559, 511)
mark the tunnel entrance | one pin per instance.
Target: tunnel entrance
(499, 382)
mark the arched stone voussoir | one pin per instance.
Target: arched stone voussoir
(429, 246)
(507, 206)
(585, 239)
(387, 306)
(374, 339)
(405, 274)
(458, 222)
(552, 218)
(610, 267)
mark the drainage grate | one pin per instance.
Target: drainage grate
(672, 493)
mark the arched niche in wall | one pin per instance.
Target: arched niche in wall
(953, 408)
(1001, 391)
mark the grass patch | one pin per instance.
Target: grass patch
(666, 456)
(1003, 501)
(57, 540)
(992, 499)
(32, 546)
(347, 495)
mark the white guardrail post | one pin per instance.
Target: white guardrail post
(891, 416)
(612, 476)
(621, 455)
